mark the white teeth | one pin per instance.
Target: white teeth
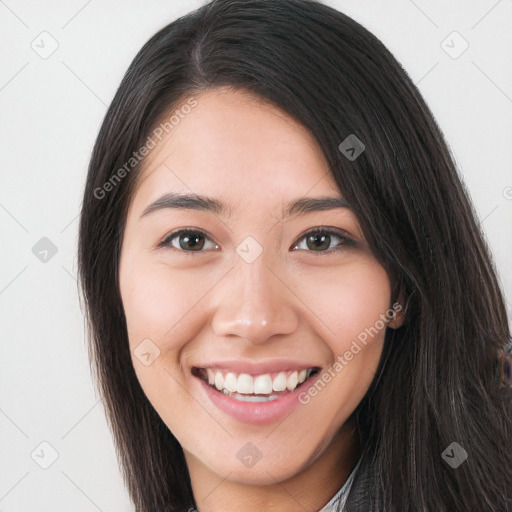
(254, 398)
(245, 384)
(291, 382)
(258, 385)
(230, 382)
(219, 381)
(262, 385)
(279, 383)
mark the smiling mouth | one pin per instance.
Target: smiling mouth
(254, 388)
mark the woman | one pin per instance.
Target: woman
(291, 304)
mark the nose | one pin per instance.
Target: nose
(255, 303)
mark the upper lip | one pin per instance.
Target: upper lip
(257, 367)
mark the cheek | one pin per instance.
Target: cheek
(157, 302)
(156, 299)
(350, 301)
(351, 305)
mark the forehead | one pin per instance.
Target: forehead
(236, 147)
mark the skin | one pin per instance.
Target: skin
(304, 304)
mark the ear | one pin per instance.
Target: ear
(399, 309)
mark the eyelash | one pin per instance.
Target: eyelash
(346, 241)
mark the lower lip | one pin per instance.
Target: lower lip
(255, 413)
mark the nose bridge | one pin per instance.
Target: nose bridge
(254, 302)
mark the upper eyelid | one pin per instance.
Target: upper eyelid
(326, 229)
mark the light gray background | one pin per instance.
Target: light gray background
(51, 110)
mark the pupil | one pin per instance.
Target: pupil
(324, 241)
(192, 240)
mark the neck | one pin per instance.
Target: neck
(307, 491)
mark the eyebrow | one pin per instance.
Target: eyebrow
(203, 203)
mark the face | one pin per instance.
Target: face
(251, 297)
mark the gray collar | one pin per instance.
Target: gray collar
(337, 502)
(356, 494)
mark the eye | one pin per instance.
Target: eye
(320, 239)
(188, 241)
